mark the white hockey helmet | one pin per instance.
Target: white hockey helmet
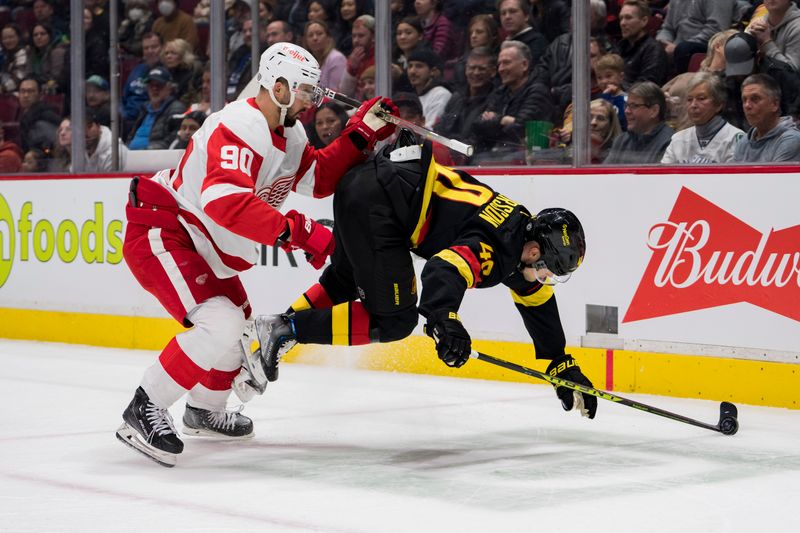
(294, 64)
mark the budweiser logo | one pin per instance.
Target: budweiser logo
(705, 257)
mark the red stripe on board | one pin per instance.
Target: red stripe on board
(609, 370)
(180, 368)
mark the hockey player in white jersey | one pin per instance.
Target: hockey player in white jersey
(191, 230)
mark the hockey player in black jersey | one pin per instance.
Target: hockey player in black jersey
(402, 201)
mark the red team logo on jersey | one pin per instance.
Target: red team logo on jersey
(277, 191)
(705, 257)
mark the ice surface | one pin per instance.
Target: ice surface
(346, 450)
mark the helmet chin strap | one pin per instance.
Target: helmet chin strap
(283, 107)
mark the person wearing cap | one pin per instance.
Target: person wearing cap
(710, 139)
(424, 74)
(193, 229)
(134, 93)
(518, 99)
(190, 123)
(98, 99)
(403, 202)
(154, 128)
(778, 32)
(743, 58)
(772, 138)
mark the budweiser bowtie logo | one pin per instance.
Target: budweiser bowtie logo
(705, 257)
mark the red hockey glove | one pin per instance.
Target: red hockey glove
(365, 128)
(314, 239)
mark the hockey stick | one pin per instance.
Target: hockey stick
(453, 144)
(728, 423)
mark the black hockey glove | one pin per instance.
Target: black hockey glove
(452, 340)
(565, 367)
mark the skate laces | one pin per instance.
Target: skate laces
(224, 419)
(160, 419)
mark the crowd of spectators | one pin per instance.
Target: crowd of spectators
(673, 81)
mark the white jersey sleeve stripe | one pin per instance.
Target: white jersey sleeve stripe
(215, 192)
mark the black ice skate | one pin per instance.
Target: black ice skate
(276, 335)
(149, 430)
(217, 424)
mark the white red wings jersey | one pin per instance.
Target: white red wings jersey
(236, 174)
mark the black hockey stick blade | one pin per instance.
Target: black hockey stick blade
(728, 421)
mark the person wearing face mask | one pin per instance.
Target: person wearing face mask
(175, 24)
(193, 229)
(137, 23)
(402, 202)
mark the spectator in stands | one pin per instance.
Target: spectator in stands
(319, 41)
(236, 12)
(554, 70)
(184, 67)
(437, 28)
(61, 159)
(424, 73)
(517, 100)
(295, 12)
(98, 146)
(609, 71)
(514, 20)
(605, 128)
(648, 134)
(411, 110)
(137, 23)
(98, 99)
(645, 59)
(49, 59)
(349, 11)
(599, 20)
(363, 54)
(204, 102)
(266, 11)
(34, 162)
(279, 31)
(44, 11)
(10, 154)
(690, 24)
(17, 58)
(482, 32)
(772, 138)
(153, 128)
(190, 123)
(778, 33)
(96, 44)
(325, 11)
(676, 88)
(175, 24)
(711, 139)
(469, 100)
(134, 93)
(408, 36)
(328, 122)
(240, 63)
(366, 84)
(550, 17)
(38, 121)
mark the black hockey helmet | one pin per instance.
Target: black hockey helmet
(561, 239)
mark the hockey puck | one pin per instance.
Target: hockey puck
(728, 425)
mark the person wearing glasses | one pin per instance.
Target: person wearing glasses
(191, 231)
(648, 134)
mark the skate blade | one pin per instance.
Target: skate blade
(130, 437)
(200, 432)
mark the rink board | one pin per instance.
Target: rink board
(702, 269)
